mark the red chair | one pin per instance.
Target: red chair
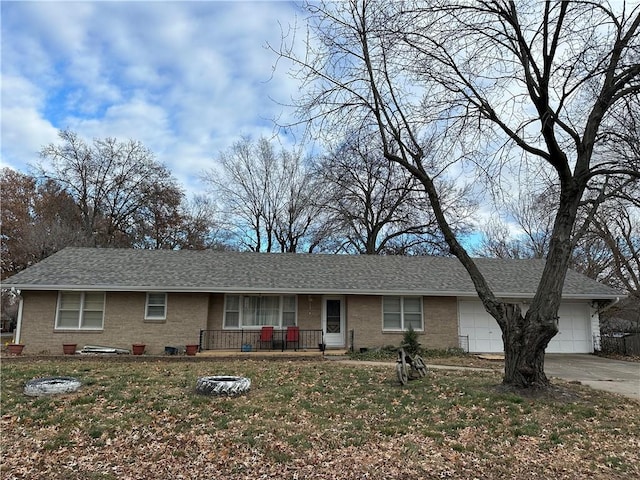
(266, 336)
(293, 336)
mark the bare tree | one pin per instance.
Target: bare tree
(110, 182)
(158, 223)
(498, 86)
(522, 229)
(201, 226)
(269, 198)
(617, 229)
(607, 251)
(241, 185)
(606, 236)
(377, 206)
(300, 220)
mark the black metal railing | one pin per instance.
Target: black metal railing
(252, 340)
(463, 343)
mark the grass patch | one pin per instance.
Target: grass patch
(448, 356)
(306, 420)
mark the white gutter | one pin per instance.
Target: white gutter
(19, 323)
(609, 305)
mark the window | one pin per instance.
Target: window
(400, 313)
(80, 310)
(288, 310)
(232, 311)
(259, 310)
(156, 308)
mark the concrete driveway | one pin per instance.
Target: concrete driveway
(600, 373)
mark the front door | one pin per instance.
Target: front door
(333, 321)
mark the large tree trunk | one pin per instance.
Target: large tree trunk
(525, 338)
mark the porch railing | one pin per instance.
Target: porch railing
(249, 340)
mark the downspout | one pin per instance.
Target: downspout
(608, 306)
(19, 322)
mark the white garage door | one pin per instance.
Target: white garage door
(485, 336)
(574, 330)
(481, 328)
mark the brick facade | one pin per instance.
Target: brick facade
(188, 313)
(124, 323)
(216, 311)
(364, 317)
(310, 312)
(38, 320)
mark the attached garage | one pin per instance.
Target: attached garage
(485, 336)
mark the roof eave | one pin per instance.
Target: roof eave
(296, 291)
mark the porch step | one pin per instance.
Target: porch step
(259, 354)
(339, 352)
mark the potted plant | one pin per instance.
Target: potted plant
(69, 348)
(192, 349)
(138, 348)
(15, 348)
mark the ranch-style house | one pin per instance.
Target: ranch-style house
(222, 300)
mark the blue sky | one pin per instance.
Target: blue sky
(187, 79)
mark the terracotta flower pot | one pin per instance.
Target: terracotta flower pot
(15, 348)
(69, 348)
(192, 349)
(138, 348)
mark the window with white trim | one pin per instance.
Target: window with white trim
(80, 311)
(259, 310)
(400, 313)
(156, 306)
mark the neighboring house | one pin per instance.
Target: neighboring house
(117, 297)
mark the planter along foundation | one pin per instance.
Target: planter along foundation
(15, 348)
(192, 349)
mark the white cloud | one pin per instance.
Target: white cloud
(185, 78)
(24, 130)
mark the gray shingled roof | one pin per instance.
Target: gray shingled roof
(210, 271)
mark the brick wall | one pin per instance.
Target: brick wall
(310, 312)
(440, 322)
(38, 319)
(124, 320)
(364, 317)
(124, 323)
(216, 311)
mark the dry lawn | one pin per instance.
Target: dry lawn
(306, 420)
